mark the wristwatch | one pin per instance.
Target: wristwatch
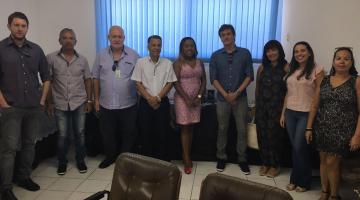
(199, 96)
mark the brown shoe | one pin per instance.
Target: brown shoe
(273, 172)
(263, 170)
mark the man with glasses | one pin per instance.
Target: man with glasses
(115, 95)
(70, 94)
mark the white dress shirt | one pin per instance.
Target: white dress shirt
(154, 76)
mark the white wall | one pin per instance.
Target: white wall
(325, 24)
(29, 7)
(48, 17)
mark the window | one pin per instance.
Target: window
(255, 22)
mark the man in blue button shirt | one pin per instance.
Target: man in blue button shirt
(115, 95)
(231, 71)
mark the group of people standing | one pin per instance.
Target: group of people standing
(125, 89)
(315, 109)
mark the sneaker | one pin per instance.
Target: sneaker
(244, 168)
(220, 166)
(61, 169)
(28, 184)
(82, 167)
(8, 194)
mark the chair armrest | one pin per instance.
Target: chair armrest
(98, 195)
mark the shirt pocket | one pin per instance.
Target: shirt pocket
(127, 69)
(78, 70)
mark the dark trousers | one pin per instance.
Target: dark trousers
(18, 132)
(154, 128)
(118, 124)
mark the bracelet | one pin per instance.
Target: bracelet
(89, 101)
(308, 129)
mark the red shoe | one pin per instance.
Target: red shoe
(188, 170)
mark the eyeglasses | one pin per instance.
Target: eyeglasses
(115, 65)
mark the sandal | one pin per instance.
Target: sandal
(335, 197)
(290, 187)
(300, 189)
(324, 195)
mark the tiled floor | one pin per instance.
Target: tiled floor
(76, 186)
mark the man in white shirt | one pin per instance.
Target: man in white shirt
(154, 77)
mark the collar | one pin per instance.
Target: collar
(61, 51)
(151, 61)
(235, 50)
(10, 41)
(124, 50)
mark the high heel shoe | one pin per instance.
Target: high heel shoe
(188, 167)
(188, 170)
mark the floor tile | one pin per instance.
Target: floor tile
(44, 182)
(266, 181)
(92, 186)
(54, 195)
(48, 171)
(74, 173)
(80, 195)
(234, 170)
(185, 191)
(23, 194)
(205, 168)
(198, 179)
(102, 174)
(66, 184)
(195, 194)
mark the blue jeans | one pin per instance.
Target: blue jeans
(301, 157)
(18, 132)
(223, 111)
(71, 119)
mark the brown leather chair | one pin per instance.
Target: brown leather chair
(143, 178)
(218, 186)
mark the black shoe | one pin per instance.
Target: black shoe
(8, 195)
(28, 184)
(61, 169)
(82, 167)
(244, 168)
(220, 166)
(106, 163)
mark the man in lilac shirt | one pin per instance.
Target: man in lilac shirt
(115, 95)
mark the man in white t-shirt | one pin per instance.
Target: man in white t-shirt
(154, 77)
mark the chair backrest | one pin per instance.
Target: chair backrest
(140, 177)
(219, 186)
